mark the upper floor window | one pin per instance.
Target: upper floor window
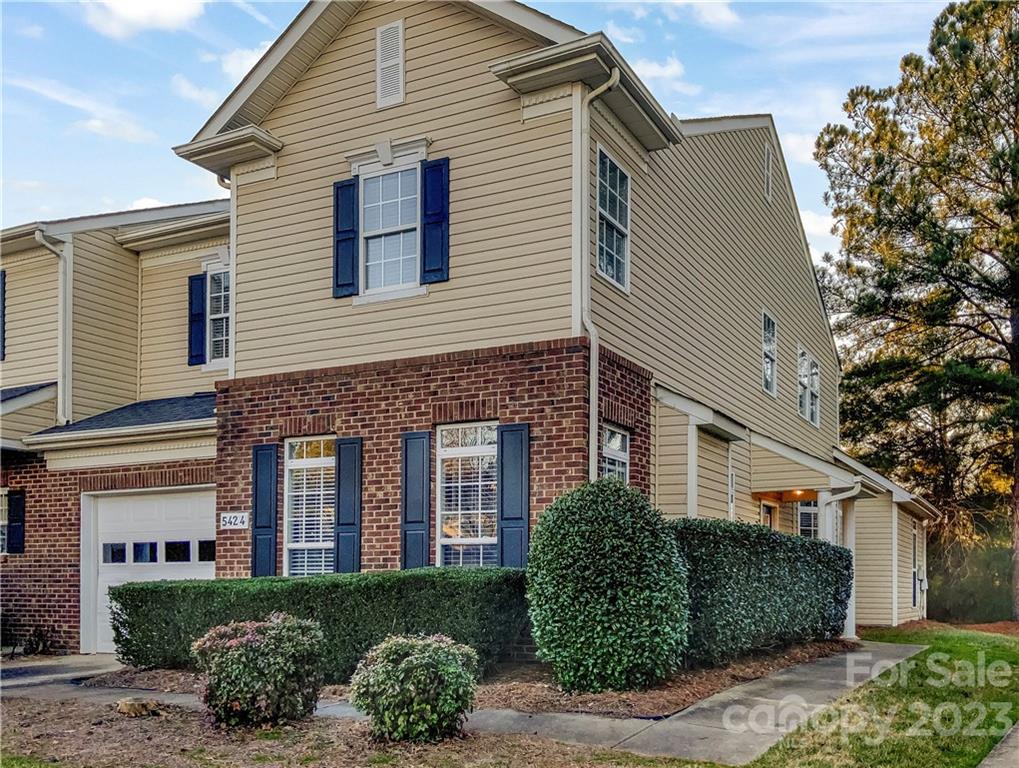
(3, 520)
(807, 511)
(219, 315)
(769, 354)
(613, 221)
(769, 163)
(389, 67)
(309, 505)
(467, 481)
(616, 454)
(809, 387)
(390, 225)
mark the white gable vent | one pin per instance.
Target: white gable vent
(389, 64)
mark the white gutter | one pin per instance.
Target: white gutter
(585, 292)
(65, 260)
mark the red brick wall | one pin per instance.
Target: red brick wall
(543, 384)
(625, 399)
(41, 587)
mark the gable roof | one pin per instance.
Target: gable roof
(315, 27)
(10, 393)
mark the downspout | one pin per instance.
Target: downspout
(585, 293)
(64, 413)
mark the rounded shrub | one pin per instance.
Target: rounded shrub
(416, 688)
(606, 590)
(261, 672)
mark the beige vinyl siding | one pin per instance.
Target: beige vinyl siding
(777, 473)
(31, 321)
(671, 467)
(873, 560)
(712, 484)
(907, 612)
(14, 426)
(707, 254)
(510, 187)
(748, 509)
(105, 336)
(788, 518)
(164, 322)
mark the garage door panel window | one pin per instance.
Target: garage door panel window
(115, 552)
(310, 510)
(177, 551)
(207, 551)
(145, 552)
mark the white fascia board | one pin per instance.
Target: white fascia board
(121, 434)
(703, 415)
(126, 218)
(28, 399)
(839, 477)
(520, 17)
(721, 124)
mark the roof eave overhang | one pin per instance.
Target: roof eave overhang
(23, 238)
(223, 151)
(121, 435)
(590, 59)
(173, 233)
(27, 400)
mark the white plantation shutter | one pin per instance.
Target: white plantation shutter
(389, 64)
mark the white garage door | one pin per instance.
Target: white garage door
(146, 537)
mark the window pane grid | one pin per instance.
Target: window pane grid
(615, 454)
(390, 219)
(3, 519)
(309, 506)
(219, 315)
(613, 220)
(467, 519)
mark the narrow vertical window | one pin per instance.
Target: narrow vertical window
(616, 454)
(389, 69)
(807, 511)
(769, 514)
(613, 222)
(467, 483)
(309, 506)
(768, 163)
(915, 560)
(3, 520)
(219, 315)
(769, 354)
(809, 387)
(390, 225)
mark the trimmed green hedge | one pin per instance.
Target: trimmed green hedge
(753, 588)
(155, 623)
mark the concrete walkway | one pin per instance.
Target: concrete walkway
(1005, 753)
(35, 670)
(733, 727)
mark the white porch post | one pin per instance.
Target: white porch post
(849, 541)
(825, 517)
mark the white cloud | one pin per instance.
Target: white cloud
(817, 227)
(254, 13)
(188, 90)
(121, 19)
(102, 118)
(710, 13)
(238, 62)
(33, 31)
(24, 184)
(146, 202)
(667, 75)
(799, 147)
(620, 34)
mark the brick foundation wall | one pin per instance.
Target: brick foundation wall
(625, 399)
(543, 384)
(42, 586)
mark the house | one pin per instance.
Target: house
(468, 263)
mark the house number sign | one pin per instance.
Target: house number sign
(229, 520)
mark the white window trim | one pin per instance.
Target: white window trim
(730, 483)
(288, 464)
(612, 453)
(765, 314)
(769, 166)
(219, 262)
(389, 291)
(915, 562)
(625, 230)
(4, 510)
(445, 453)
(392, 101)
(801, 351)
(776, 510)
(817, 518)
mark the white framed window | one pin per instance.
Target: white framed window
(613, 221)
(769, 514)
(3, 520)
(615, 453)
(807, 513)
(769, 354)
(309, 505)
(390, 240)
(389, 67)
(809, 387)
(915, 561)
(467, 477)
(769, 162)
(731, 488)
(218, 314)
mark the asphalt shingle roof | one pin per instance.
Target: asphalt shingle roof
(201, 405)
(9, 393)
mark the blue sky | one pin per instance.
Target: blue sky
(95, 94)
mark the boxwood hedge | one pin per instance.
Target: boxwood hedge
(752, 588)
(155, 623)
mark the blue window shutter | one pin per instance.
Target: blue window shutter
(345, 218)
(15, 522)
(415, 496)
(347, 532)
(514, 494)
(3, 314)
(196, 319)
(435, 220)
(263, 509)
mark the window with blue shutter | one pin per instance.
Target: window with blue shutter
(15, 522)
(415, 479)
(263, 509)
(196, 319)
(345, 238)
(514, 507)
(435, 220)
(3, 314)
(347, 532)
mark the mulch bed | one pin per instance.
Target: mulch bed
(530, 688)
(1010, 628)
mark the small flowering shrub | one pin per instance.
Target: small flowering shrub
(261, 672)
(416, 688)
